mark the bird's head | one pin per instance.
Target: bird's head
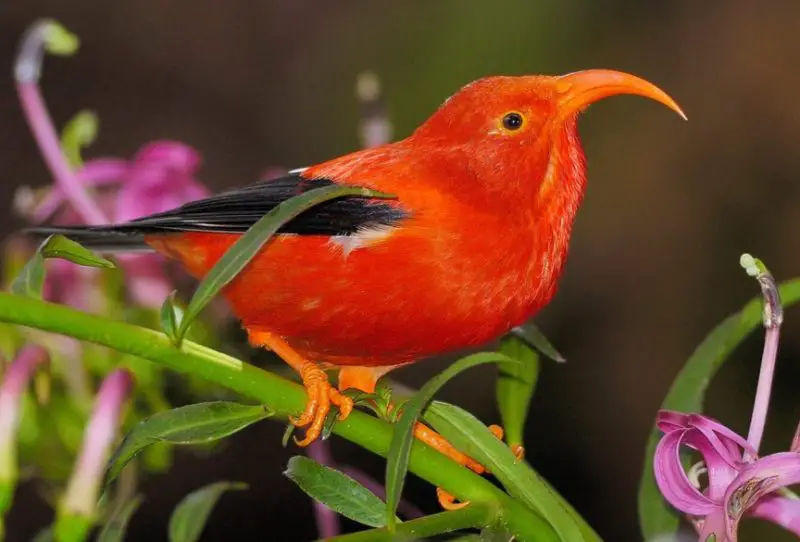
(521, 127)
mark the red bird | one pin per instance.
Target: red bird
(487, 190)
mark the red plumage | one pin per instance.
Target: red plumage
(488, 187)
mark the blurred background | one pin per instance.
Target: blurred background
(654, 258)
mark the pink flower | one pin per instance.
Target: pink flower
(83, 490)
(160, 176)
(738, 483)
(16, 380)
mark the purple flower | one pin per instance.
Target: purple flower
(159, 177)
(738, 482)
(16, 379)
(80, 498)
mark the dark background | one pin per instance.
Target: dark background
(653, 263)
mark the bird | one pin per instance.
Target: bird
(474, 243)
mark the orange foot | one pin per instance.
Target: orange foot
(436, 441)
(321, 395)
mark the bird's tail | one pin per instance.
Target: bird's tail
(106, 239)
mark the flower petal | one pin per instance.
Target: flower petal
(782, 511)
(670, 420)
(756, 480)
(169, 154)
(672, 479)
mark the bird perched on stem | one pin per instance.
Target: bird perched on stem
(487, 190)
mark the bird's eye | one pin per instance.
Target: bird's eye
(513, 121)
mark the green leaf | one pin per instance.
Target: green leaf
(79, 133)
(687, 393)
(30, 281)
(469, 435)
(534, 337)
(58, 246)
(190, 516)
(199, 423)
(515, 386)
(337, 491)
(114, 529)
(251, 242)
(403, 434)
(171, 315)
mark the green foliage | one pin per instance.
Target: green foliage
(192, 424)
(171, 315)
(190, 516)
(31, 279)
(403, 435)
(534, 338)
(248, 245)
(687, 393)
(115, 528)
(337, 491)
(515, 387)
(469, 435)
(284, 397)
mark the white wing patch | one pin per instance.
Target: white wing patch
(364, 238)
(297, 170)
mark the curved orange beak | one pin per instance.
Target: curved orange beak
(575, 91)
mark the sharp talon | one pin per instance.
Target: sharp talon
(320, 397)
(497, 431)
(517, 449)
(344, 403)
(448, 501)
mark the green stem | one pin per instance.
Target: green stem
(282, 396)
(472, 516)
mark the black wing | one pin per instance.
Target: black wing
(236, 211)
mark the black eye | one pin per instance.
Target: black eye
(512, 121)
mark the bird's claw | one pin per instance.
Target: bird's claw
(321, 395)
(446, 500)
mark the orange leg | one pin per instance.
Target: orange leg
(365, 378)
(320, 393)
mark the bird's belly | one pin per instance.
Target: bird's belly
(390, 303)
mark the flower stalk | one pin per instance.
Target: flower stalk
(49, 36)
(79, 503)
(15, 382)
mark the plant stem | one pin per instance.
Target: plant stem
(472, 516)
(773, 318)
(282, 396)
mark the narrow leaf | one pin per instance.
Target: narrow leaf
(687, 393)
(337, 491)
(403, 434)
(58, 246)
(199, 423)
(469, 435)
(190, 516)
(30, 281)
(170, 316)
(534, 337)
(114, 530)
(515, 386)
(251, 242)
